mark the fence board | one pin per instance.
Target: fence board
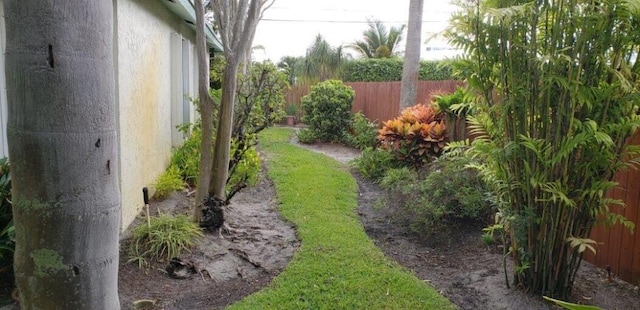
(630, 212)
(619, 248)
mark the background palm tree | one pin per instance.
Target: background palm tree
(322, 61)
(292, 67)
(378, 42)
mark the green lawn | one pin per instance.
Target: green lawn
(337, 265)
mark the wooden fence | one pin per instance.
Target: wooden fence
(617, 247)
(380, 100)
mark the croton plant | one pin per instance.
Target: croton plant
(417, 136)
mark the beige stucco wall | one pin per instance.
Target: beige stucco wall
(147, 73)
(149, 48)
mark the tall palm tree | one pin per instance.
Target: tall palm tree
(409, 84)
(378, 42)
(322, 61)
(290, 65)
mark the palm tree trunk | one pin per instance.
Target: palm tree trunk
(63, 150)
(411, 66)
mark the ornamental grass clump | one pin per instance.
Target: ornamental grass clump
(416, 137)
(164, 237)
(558, 97)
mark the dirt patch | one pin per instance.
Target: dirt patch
(258, 246)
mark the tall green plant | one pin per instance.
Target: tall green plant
(322, 61)
(327, 110)
(558, 97)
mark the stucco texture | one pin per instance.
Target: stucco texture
(144, 62)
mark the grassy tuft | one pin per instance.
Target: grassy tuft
(168, 182)
(166, 237)
(337, 266)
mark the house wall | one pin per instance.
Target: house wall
(155, 68)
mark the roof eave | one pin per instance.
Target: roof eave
(187, 11)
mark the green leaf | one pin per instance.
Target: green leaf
(571, 306)
(582, 244)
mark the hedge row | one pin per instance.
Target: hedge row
(390, 69)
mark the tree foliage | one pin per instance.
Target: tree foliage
(292, 67)
(557, 86)
(259, 104)
(378, 41)
(322, 61)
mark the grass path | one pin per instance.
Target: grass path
(337, 265)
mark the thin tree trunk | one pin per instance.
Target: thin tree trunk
(237, 22)
(206, 113)
(222, 147)
(63, 150)
(411, 66)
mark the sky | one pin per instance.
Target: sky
(289, 27)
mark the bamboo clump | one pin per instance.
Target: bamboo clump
(557, 99)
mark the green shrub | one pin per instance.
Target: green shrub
(7, 230)
(291, 109)
(402, 180)
(244, 162)
(435, 70)
(363, 132)
(373, 70)
(327, 109)
(450, 191)
(187, 158)
(306, 136)
(373, 163)
(168, 182)
(390, 69)
(165, 238)
(458, 102)
(459, 189)
(416, 137)
(246, 172)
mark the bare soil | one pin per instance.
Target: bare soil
(229, 266)
(260, 245)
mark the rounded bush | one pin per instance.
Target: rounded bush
(327, 110)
